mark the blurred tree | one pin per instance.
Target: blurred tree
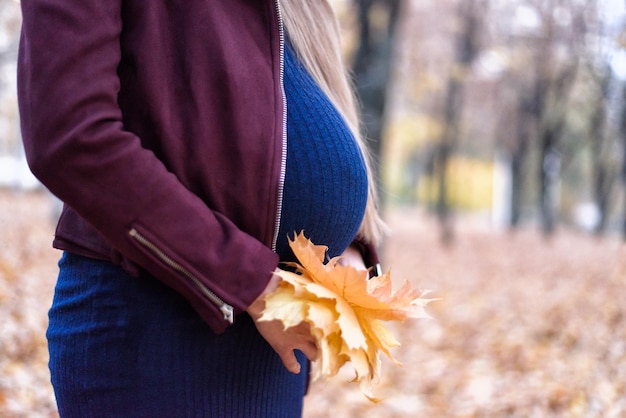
(372, 65)
(556, 68)
(597, 134)
(623, 136)
(604, 140)
(602, 136)
(13, 169)
(545, 48)
(527, 76)
(526, 115)
(470, 13)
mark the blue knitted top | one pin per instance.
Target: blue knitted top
(325, 189)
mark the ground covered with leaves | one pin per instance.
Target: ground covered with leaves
(525, 328)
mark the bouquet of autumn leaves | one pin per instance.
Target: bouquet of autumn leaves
(344, 309)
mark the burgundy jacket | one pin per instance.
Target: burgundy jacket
(160, 124)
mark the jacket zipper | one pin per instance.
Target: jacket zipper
(226, 309)
(283, 161)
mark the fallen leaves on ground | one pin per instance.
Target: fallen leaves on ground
(525, 328)
(27, 275)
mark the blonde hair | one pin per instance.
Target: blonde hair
(314, 34)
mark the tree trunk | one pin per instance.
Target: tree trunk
(519, 156)
(549, 173)
(442, 157)
(623, 135)
(466, 51)
(623, 186)
(552, 125)
(372, 70)
(602, 177)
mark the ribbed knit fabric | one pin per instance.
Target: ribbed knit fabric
(125, 347)
(326, 183)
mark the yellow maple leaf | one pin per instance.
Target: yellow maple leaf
(345, 311)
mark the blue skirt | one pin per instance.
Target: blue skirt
(122, 346)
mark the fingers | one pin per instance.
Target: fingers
(310, 351)
(290, 362)
(300, 339)
(285, 341)
(305, 341)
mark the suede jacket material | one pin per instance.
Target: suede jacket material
(160, 124)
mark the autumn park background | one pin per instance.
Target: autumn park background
(499, 127)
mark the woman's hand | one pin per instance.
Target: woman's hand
(283, 341)
(299, 337)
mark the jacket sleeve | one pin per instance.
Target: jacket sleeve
(77, 146)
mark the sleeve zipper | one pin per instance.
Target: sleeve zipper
(226, 309)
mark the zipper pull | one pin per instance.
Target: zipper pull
(226, 309)
(229, 313)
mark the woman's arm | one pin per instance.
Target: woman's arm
(77, 146)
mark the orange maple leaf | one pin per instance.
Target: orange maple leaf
(345, 311)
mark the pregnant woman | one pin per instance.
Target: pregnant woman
(188, 139)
